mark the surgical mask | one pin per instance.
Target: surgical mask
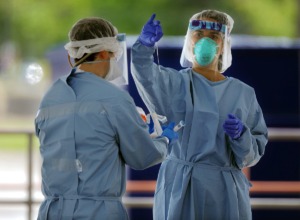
(114, 71)
(205, 51)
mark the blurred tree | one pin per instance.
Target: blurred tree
(5, 22)
(268, 17)
(130, 15)
(37, 25)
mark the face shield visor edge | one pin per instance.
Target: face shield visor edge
(118, 73)
(188, 57)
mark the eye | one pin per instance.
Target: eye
(216, 37)
(198, 34)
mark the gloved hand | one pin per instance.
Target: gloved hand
(151, 32)
(170, 133)
(233, 126)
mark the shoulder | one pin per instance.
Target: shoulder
(56, 94)
(241, 85)
(185, 71)
(181, 74)
(123, 96)
(112, 95)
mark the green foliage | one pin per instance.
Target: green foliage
(268, 17)
(36, 25)
(16, 142)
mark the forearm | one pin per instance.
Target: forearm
(249, 148)
(143, 68)
(154, 85)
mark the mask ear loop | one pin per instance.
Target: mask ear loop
(79, 61)
(69, 59)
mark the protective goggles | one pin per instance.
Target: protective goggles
(207, 25)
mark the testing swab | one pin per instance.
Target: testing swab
(179, 125)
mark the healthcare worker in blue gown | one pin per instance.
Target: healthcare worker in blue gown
(224, 131)
(89, 128)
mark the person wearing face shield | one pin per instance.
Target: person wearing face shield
(89, 128)
(224, 131)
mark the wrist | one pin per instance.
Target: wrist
(145, 43)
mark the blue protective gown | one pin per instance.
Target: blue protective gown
(201, 177)
(88, 130)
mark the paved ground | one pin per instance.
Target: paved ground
(13, 183)
(13, 186)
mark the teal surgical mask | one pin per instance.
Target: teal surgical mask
(205, 51)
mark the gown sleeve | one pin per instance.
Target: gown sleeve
(250, 147)
(137, 148)
(156, 84)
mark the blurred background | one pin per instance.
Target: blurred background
(266, 55)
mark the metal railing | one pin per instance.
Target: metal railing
(29, 201)
(275, 134)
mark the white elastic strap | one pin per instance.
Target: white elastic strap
(77, 49)
(156, 123)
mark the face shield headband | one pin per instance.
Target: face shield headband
(77, 49)
(207, 25)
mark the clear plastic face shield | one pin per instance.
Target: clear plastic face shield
(118, 71)
(207, 45)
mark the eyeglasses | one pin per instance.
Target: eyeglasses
(208, 25)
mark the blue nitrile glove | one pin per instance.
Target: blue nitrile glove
(151, 126)
(170, 133)
(233, 126)
(151, 32)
